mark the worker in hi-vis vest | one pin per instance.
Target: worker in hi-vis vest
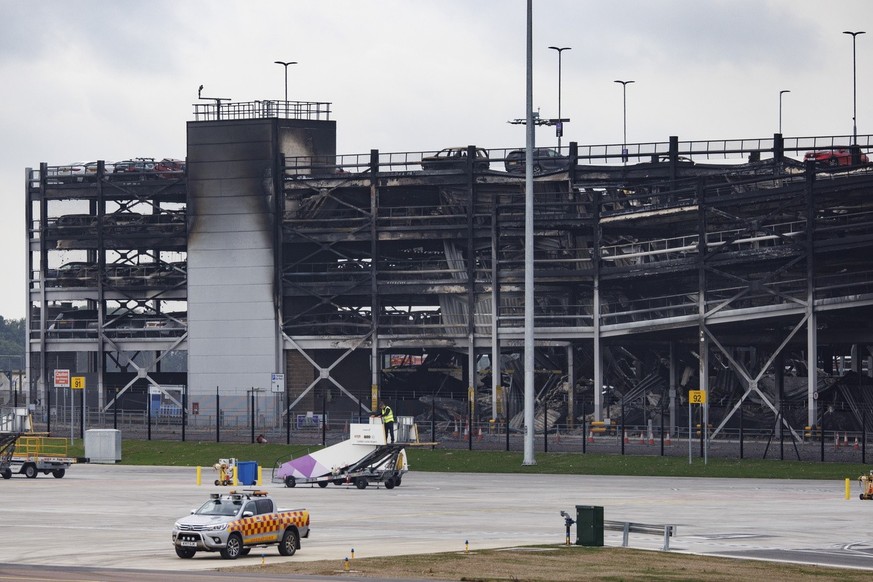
(387, 416)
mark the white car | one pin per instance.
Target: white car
(91, 168)
(73, 172)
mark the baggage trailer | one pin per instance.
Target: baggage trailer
(33, 454)
(7, 449)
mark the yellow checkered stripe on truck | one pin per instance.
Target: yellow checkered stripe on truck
(298, 518)
(267, 523)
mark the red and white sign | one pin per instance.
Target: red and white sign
(62, 378)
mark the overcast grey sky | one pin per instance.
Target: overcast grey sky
(88, 80)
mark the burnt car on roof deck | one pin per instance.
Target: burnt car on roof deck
(456, 159)
(544, 160)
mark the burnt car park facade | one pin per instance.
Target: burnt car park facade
(726, 266)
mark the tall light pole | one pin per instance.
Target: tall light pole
(285, 64)
(529, 335)
(781, 93)
(560, 123)
(854, 89)
(624, 85)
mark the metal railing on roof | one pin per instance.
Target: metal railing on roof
(261, 109)
(713, 151)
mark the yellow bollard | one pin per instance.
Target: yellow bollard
(234, 476)
(346, 565)
(848, 487)
(259, 475)
(199, 476)
(353, 553)
(466, 546)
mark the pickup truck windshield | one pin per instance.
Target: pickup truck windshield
(226, 507)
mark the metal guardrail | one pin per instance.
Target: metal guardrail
(628, 527)
(728, 150)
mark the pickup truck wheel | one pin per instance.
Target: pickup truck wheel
(185, 553)
(59, 473)
(29, 471)
(289, 543)
(290, 481)
(234, 547)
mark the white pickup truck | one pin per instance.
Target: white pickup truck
(233, 523)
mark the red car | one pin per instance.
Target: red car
(834, 157)
(170, 168)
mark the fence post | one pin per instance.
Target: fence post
(217, 416)
(662, 425)
(323, 416)
(545, 425)
(822, 435)
(184, 410)
(253, 414)
(148, 412)
(623, 428)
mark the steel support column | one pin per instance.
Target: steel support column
(571, 389)
(375, 368)
(703, 344)
(811, 317)
(672, 387)
(496, 368)
(595, 308)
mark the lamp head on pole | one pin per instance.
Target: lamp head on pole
(559, 125)
(285, 64)
(781, 93)
(854, 87)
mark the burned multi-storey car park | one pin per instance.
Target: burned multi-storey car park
(730, 266)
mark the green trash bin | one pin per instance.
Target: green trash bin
(589, 525)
